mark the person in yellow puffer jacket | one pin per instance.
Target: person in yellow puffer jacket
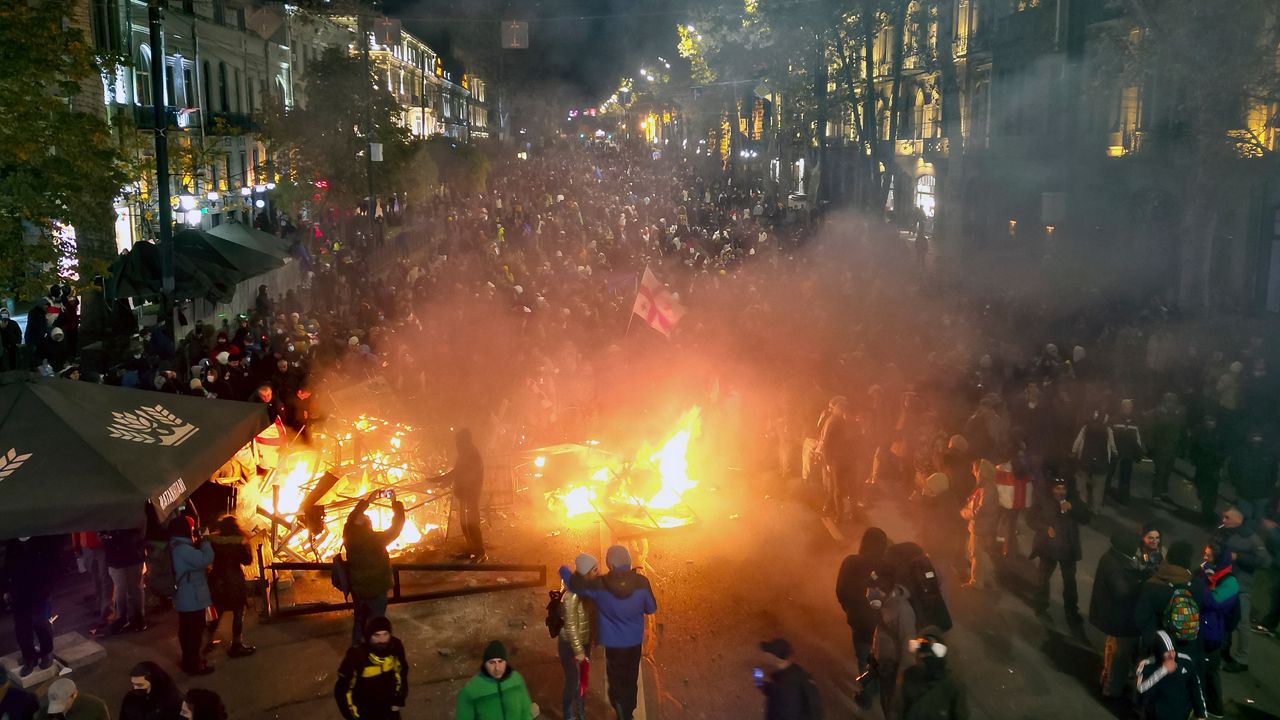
(576, 639)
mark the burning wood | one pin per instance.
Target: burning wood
(647, 492)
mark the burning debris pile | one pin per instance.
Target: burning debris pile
(646, 492)
(304, 500)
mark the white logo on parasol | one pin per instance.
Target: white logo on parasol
(151, 426)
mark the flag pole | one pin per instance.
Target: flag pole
(632, 317)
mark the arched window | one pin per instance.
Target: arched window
(239, 105)
(206, 83)
(142, 75)
(926, 198)
(223, 96)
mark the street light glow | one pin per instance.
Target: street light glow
(212, 196)
(246, 191)
(187, 202)
(260, 204)
(271, 186)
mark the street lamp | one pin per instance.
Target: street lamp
(271, 186)
(246, 192)
(260, 204)
(187, 202)
(212, 196)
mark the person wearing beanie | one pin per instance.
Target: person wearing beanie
(373, 679)
(929, 690)
(576, 638)
(789, 691)
(1154, 595)
(623, 597)
(191, 597)
(1116, 583)
(497, 692)
(66, 702)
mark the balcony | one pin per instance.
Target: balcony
(229, 123)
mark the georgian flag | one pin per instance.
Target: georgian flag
(656, 304)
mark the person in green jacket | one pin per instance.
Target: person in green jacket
(497, 692)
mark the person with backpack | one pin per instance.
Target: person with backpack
(1116, 583)
(1168, 682)
(895, 628)
(1165, 603)
(789, 691)
(367, 567)
(1217, 592)
(623, 598)
(1057, 524)
(857, 572)
(913, 568)
(574, 617)
(373, 679)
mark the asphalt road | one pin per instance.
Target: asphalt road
(758, 564)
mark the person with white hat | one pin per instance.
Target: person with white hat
(66, 702)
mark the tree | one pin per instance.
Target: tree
(58, 164)
(327, 138)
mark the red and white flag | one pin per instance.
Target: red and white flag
(657, 305)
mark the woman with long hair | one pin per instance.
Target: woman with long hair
(154, 695)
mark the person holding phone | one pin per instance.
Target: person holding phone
(789, 691)
(1057, 523)
(368, 563)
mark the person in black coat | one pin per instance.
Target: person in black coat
(1057, 544)
(154, 695)
(1111, 610)
(851, 591)
(10, 339)
(227, 585)
(789, 691)
(467, 479)
(28, 574)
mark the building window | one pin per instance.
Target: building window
(240, 19)
(106, 25)
(239, 98)
(219, 12)
(926, 200)
(189, 87)
(249, 90)
(142, 75)
(206, 82)
(222, 88)
(170, 75)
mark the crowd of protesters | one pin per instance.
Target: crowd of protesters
(510, 308)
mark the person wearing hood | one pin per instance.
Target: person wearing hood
(37, 324)
(152, 695)
(576, 638)
(373, 679)
(1111, 609)
(623, 598)
(10, 339)
(1248, 555)
(1153, 597)
(895, 629)
(1168, 683)
(929, 690)
(497, 692)
(1217, 592)
(191, 597)
(1057, 522)
(857, 573)
(467, 480)
(789, 691)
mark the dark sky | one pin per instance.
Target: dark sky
(580, 47)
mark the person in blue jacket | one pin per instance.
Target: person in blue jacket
(622, 597)
(191, 597)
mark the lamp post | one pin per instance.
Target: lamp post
(160, 119)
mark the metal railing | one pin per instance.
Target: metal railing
(274, 609)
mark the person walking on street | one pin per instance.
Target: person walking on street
(125, 552)
(1129, 450)
(576, 639)
(153, 695)
(28, 574)
(1169, 683)
(1252, 471)
(837, 447)
(1248, 554)
(857, 573)
(368, 564)
(1111, 609)
(373, 679)
(66, 702)
(623, 598)
(1057, 524)
(467, 478)
(497, 692)
(1217, 592)
(789, 691)
(93, 559)
(895, 629)
(929, 690)
(227, 585)
(1094, 449)
(1167, 425)
(191, 598)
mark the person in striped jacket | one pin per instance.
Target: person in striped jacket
(1168, 684)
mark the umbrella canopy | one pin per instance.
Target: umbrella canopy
(79, 456)
(136, 274)
(252, 238)
(240, 261)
